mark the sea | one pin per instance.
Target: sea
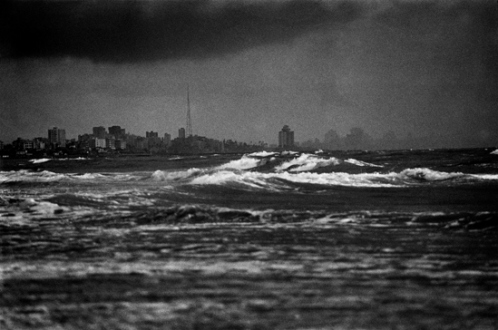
(404, 239)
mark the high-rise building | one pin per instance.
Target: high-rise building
(99, 132)
(57, 137)
(117, 132)
(286, 137)
(181, 133)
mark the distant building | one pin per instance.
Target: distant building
(117, 132)
(120, 144)
(57, 137)
(22, 144)
(151, 134)
(110, 142)
(286, 137)
(39, 143)
(97, 143)
(99, 132)
(167, 138)
(181, 133)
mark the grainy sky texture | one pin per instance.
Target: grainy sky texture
(429, 68)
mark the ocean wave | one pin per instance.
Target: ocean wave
(47, 176)
(425, 174)
(159, 175)
(262, 154)
(243, 163)
(28, 176)
(306, 162)
(39, 160)
(298, 174)
(277, 180)
(360, 163)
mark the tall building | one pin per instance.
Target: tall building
(57, 137)
(181, 133)
(117, 131)
(99, 132)
(286, 137)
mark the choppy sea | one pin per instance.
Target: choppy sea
(268, 240)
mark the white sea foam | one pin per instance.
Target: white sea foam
(301, 175)
(39, 160)
(252, 179)
(425, 174)
(66, 159)
(243, 163)
(175, 175)
(47, 176)
(360, 163)
(27, 176)
(274, 180)
(88, 176)
(494, 152)
(261, 154)
(306, 162)
(485, 176)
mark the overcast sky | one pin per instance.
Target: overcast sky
(429, 68)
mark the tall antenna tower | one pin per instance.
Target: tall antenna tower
(189, 119)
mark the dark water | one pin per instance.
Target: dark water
(365, 240)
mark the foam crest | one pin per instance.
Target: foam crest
(252, 179)
(306, 162)
(277, 180)
(47, 176)
(40, 160)
(159, 175)
(425, 174)
(27, 176)
(494, 152)
(243, 163)
(262, 154)
(360, 163)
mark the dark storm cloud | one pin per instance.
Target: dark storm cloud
(421, 19)
(136, 31)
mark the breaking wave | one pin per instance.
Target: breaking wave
(307, 162)
(243, 163)
(271, 171)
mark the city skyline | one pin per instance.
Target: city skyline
(425, 68)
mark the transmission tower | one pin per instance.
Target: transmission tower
(189, 119)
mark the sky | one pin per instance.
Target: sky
(428, 68)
